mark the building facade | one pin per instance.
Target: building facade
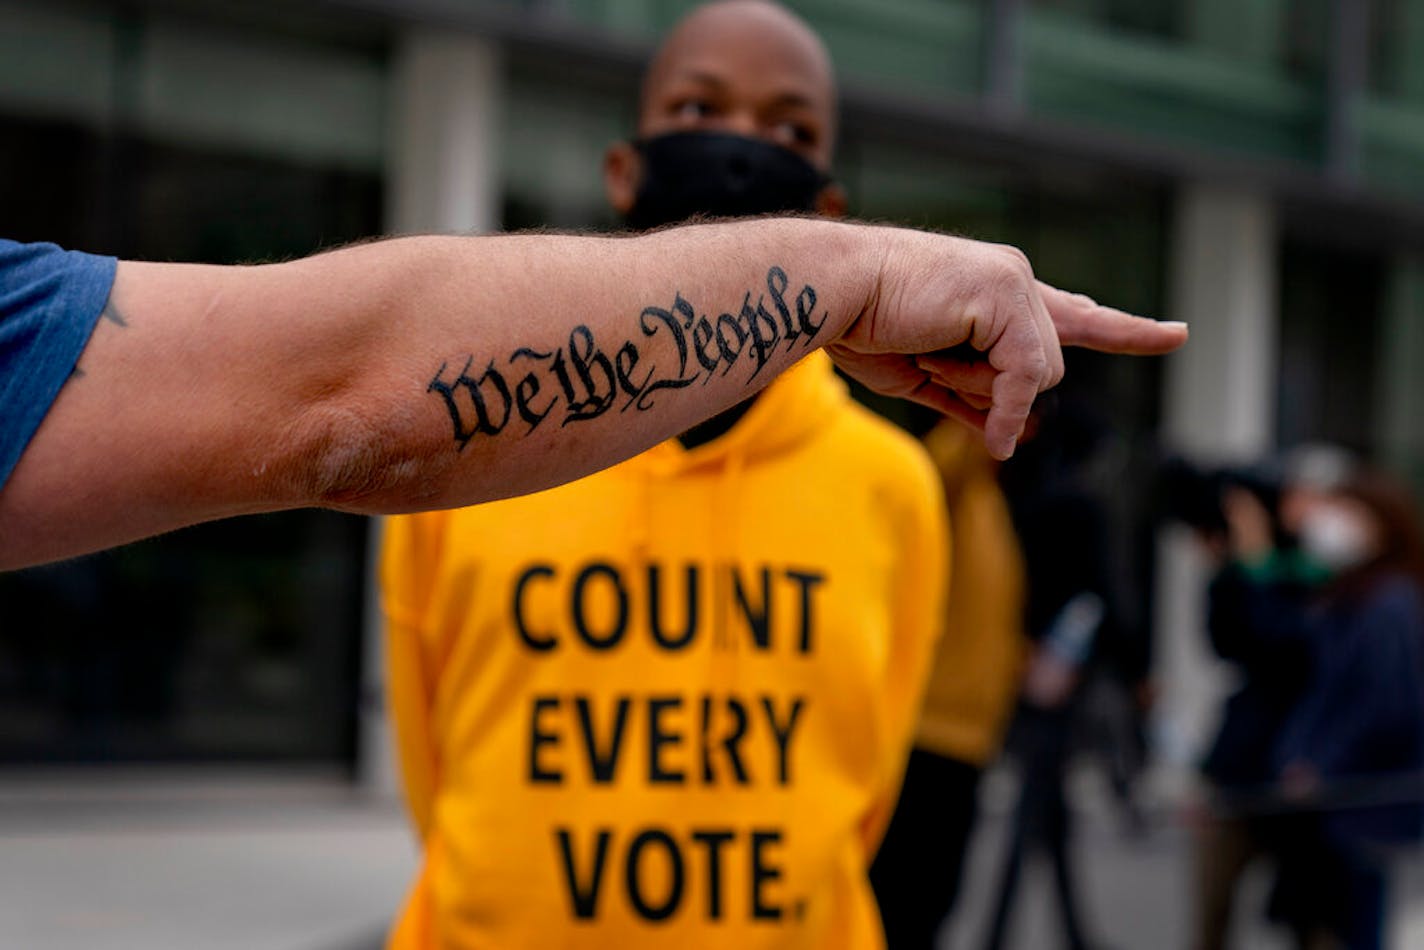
(1255, 167)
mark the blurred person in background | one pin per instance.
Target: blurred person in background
(1071, 620)
(973, 683)
(1351, 750)
(1257, 606)
(672, 702)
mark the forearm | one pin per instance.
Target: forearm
(415, 373)
(527, 361)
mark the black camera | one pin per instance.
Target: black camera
(1193, 494)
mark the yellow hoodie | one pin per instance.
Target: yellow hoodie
(975, 675)
(669, 704)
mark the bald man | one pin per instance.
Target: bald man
(729, 127)
(670, 704)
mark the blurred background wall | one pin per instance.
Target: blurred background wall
(1255, 167)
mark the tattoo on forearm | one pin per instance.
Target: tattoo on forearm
(582, 381)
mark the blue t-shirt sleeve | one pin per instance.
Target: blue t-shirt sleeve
(50, 300)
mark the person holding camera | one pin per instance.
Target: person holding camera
(1256, 623)
(1312, 761)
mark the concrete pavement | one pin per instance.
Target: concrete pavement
(217, 860)
(1135, 890)
(246, 860)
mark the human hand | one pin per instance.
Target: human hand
(1048, 679)
(1300, 780)
(1248, 524)
(963, 327)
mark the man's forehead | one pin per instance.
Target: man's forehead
(720, 72)
(744, 43)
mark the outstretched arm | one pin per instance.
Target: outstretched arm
(433, 372)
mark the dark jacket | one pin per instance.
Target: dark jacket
(1258, 621)
(1360, 723)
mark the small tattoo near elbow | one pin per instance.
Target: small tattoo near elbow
(581, 380)
(112, 313)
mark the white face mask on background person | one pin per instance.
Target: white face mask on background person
(1336, 538)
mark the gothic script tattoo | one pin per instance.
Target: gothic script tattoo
(582, 380)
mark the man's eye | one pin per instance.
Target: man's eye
(793, 133)
(691, 110)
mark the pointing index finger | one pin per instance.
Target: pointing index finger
(1082, 321)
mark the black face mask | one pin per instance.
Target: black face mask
(719, 175)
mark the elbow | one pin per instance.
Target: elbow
(366, 459)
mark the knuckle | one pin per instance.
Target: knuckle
(1009, 286)
(1016, 257)
(1035, 366)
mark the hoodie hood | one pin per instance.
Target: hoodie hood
(785, 418)
(788, 413)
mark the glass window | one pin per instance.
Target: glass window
(554, 136)
(1331, 303)
(234, 640)
(1163, 18)
(1396, 37)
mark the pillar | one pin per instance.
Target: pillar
(1399, 393)
(1219, 406)
(442, 176)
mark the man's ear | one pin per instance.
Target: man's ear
(622, 174)
(831, 201)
